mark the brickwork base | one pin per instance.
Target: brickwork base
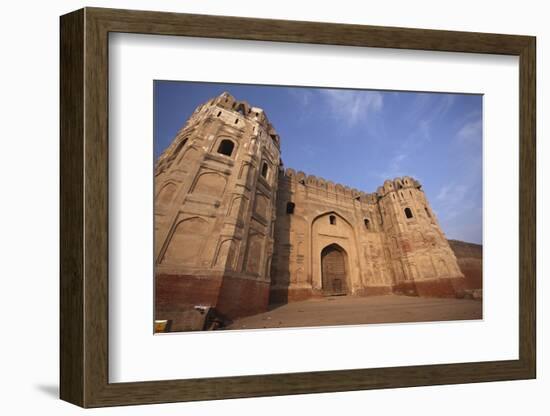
(178, 296)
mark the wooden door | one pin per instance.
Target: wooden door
(333, 264)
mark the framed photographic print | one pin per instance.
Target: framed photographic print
(255, 207)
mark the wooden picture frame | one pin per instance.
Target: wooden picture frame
(84, 207)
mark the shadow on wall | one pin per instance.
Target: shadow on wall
(280, 262)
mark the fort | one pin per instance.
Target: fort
(236, 232)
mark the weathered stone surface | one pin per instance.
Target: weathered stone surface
(235, 231)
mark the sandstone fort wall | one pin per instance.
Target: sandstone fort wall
(235, 231)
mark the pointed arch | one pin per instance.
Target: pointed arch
(334, 269)
(190, 153)
(185, 243)
(210, 183)
(328, 214)
(226, 254)
(166, 193)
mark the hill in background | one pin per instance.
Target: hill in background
(470, 260)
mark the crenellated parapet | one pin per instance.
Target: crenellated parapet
(404, 182)
(299, 177)
(225, 103)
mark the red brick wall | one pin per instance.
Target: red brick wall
(437, 288)
(242, 297)
(177, 295)
(178, 292)
(473, 274)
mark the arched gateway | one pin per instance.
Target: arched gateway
(334, 270)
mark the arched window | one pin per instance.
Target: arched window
(408, 213)
(332, 219)
(226, 147)
(264, 169)
(290, 207)
(180, 146)
(367, 223)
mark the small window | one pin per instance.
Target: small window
(219, 114)
(236, 120)
(408, 213)
(226, 147)
(180, 146)
(264, 170)
(290, 207)
(367, 224)
(332, 219)
(428, 212)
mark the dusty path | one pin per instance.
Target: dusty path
(362, 310)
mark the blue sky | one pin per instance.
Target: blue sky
(359, 138)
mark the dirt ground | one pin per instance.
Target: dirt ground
(342, 310)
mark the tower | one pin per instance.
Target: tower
(421, 258)
(215, 191)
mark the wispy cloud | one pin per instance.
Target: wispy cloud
(302, 96)
(419, 135)
(429, 106)
(452, 194)
(352, 107)
(470, 132)
(303, 102)
(395, 168)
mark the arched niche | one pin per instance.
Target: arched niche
(226, 254)
(211, 184)
(166, 194)
(190, 154)
(261, 205)
(341, 232)
(185, 243)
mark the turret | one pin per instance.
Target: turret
(419, 250)
(216, 187)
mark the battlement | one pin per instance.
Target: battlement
(396, 184)
(405, 182)
(227, 102)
